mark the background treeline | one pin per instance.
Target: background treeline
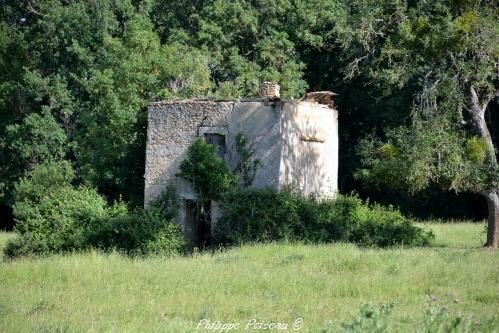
(76, 77)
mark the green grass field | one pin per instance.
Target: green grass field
(95, 292)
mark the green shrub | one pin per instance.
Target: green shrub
(209, 175)
(56, 223)
(376, 225)
(25, 245)
(257, 216)
(264, 215)
(138, 233)
(51, 215)
(144, 231)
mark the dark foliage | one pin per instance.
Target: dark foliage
(265, 215)
(143, 231)
(138, 233)
(76, 77)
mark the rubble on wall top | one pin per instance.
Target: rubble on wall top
(216, 100)
(320, 97)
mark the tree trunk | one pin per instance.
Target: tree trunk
(479, 128)
(493, 228)
(479, 125)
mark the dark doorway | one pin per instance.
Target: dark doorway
(204, 227)
(191, 225)
(198, 224)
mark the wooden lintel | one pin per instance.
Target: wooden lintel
(311, 138)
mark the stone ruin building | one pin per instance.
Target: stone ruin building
(295, 140)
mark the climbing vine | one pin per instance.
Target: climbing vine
(247, 166)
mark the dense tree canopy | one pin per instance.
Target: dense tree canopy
(417, 83)
(451, 51)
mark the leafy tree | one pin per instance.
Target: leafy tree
(450, 50)
(132, 70)
(248, 42)
(46, 53)
(38, 139)
(207, 172)
(92, 67)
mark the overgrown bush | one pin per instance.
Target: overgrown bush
(208, 174)
(52, 216)
(258, 216)
(262, 215)
(144, 231)
(138, 233)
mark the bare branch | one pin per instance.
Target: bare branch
(425, 102)
(353, 67)
(34, 11)
(474, 100)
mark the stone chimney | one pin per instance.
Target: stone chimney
(269, 89)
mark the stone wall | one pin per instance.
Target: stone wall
(172, 128)
(296, 142)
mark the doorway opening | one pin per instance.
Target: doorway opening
(198, 224)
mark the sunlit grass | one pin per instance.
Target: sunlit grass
(455, 235)
(276, 282)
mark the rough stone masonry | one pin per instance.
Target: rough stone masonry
(295, 140)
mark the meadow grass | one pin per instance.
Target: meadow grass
(96, 292)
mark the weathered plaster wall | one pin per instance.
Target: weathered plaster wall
(309, 148)
(259, 123)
